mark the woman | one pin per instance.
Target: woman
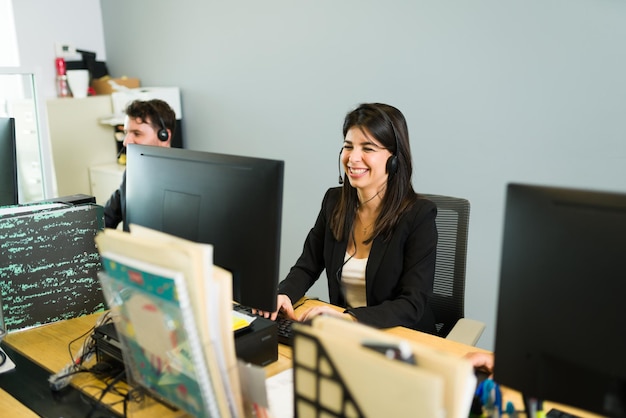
(374, 235)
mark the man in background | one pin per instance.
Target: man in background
(150, 122)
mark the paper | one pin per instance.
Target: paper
(280, 394)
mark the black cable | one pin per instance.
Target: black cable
(133, 395)
(62, 378)
(108, 387)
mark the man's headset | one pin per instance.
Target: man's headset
(392, 162)
(162, 133)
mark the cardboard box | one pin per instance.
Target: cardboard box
(102, 85)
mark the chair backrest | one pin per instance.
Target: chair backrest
(448, 301)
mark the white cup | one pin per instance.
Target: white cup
(79, 82)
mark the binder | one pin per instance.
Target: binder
(49, 263)
(336, 374)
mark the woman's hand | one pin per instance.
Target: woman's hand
(481, 360)
(311, 313)
(283, 305)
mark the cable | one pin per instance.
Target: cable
(108, 387)
(86, 351)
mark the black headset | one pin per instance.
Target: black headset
(162, 133)
(392, 162)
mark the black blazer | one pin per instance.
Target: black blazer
(399, 274)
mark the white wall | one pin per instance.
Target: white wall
(525, 90)
(8, 39)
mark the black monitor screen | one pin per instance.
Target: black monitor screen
(561, 309)
(232, 202)
(8, 163)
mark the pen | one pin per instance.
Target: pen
(534, 407)
(540, 412)
(491, 397)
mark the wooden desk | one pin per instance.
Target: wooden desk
(47, 346)
(11, 407)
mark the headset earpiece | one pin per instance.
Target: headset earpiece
(392, 162)
(392, 165)
(162, 134)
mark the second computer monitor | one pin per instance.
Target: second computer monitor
(232, 202)
(560, 326)
(8, 163)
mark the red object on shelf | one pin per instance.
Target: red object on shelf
(61, 66)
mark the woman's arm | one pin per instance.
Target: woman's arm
(310, 264)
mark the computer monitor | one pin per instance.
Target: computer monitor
(561, 316)
(232, 202)
(8, 163)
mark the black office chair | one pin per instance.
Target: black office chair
(448, 301)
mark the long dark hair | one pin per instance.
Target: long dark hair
(388, 126)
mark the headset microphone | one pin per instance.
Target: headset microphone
(339, 166)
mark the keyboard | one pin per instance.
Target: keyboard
(556, 413)
(285, 330)
(283, 325)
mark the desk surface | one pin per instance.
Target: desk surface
(48, 346)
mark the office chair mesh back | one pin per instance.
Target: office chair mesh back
(448, 301)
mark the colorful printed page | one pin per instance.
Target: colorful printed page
(158, 330)
(157, 327)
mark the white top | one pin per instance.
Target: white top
(353, 281)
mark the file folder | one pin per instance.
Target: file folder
(337, 375)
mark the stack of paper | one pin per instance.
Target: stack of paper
(174, 318)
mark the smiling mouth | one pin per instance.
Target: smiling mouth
(357, 171)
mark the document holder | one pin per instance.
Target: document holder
(338, 374)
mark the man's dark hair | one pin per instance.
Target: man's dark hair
(156, 111)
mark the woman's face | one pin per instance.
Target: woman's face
(364, 160)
